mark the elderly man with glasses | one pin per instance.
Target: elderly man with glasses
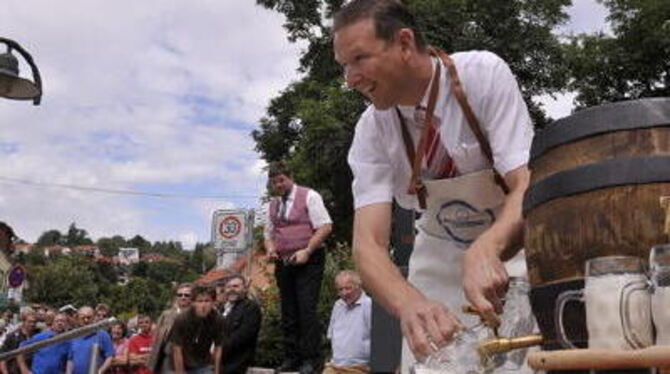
(159, 361)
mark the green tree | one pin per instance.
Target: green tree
(35, 257)
(202, 258)
(51, 237)
(110, 246)
(68, 279)
(169, 272)
(311, 123)
(140, 295)
(632, 63)
(140, 269)
(139, 242)
(169, 249)
(76, 236)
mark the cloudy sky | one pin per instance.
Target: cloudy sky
(156, 96)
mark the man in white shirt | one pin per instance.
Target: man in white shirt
(349, 328)
(296, 226)
(427, 145)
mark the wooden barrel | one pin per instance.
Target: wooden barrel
(596, 180)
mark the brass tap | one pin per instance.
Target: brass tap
(469, 309)
(494, 346)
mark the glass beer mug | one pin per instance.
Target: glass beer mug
(659, 269)
(618, 304)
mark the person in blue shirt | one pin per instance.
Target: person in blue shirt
(79, 354)
(51, 359)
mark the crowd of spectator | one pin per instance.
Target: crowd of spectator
(187, 338)
(205, 330)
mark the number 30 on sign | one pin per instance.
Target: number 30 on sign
(229, 229)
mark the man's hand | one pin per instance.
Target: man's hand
(484, 281)
(484, 275)
(427, 325)
(300, 257)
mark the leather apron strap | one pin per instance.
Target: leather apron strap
(416, 185)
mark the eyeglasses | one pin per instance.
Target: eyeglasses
(183, 295)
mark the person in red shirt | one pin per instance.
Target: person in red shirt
(140, 345)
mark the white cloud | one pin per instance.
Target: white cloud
(152, 95)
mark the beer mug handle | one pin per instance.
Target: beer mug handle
(629, 334)
(564, 298)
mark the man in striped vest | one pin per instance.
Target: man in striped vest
(296, 226)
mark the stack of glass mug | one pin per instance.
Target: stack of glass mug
(625, 303)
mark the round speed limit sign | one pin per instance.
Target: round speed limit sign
(230, 227)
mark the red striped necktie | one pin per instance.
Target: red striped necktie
(436, 164)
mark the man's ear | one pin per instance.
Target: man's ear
(405, 39)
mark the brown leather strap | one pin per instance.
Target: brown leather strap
(458, 91)
(407, 138)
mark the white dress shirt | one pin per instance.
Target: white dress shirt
(377, 155)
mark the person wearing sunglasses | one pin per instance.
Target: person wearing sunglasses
(159, 361)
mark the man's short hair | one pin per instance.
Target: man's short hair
(26, 312)
(203, 290)
(86, 309)
(388, 16)
(184, 285)
(142, 316)
(235, 276)
(351, 275)
(279, 168)
(104, 307)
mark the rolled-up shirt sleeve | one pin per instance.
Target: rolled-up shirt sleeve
(318, 214)
(370, 164)
(507, 121)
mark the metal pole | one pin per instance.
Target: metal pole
(93, 361)
(69, 335)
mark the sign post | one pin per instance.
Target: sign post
(232, 235)
(15, 279)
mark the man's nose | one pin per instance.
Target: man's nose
(351, 77)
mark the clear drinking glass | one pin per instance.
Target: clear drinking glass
(461, 356)
(516, 320)
(464, 356)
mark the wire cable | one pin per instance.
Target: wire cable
(123, 192)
